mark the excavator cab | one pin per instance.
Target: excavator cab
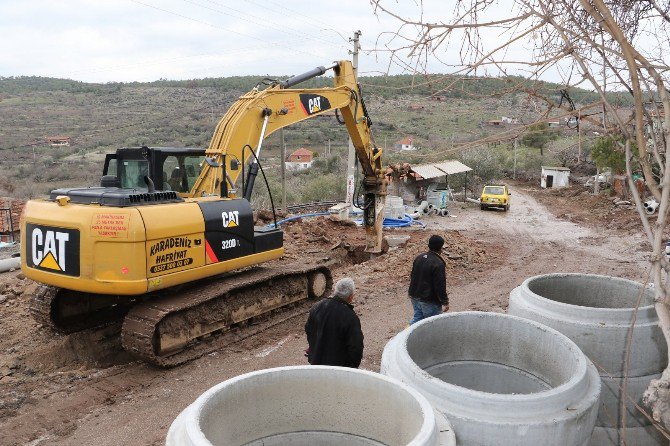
(169, 168)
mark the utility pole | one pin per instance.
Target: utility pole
(354, 53)
(351, 159)
(596, 183)
(283, 172)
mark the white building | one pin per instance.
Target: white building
(405, 144)
(300, 159)
(555, 177)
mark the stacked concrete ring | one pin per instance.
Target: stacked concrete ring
(596, 312)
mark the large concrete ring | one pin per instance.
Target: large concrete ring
(307, 405)
(635, 436)
(596, 313)
(499, 379)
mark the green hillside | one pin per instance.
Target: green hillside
(437, 111)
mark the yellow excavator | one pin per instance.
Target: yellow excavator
(167, 243)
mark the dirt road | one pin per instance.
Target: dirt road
(82, 389)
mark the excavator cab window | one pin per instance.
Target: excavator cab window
(132, 173)
(180, 172)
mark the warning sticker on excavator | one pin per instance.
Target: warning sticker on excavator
(174, 254)
(110, 225)
(289, 105)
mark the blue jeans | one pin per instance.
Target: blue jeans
(423, 310)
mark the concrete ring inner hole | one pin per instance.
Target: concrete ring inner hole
(307, 407)
(590, 291)
(492, 353)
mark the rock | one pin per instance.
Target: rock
(21, 276)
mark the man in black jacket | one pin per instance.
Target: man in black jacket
(334, 330)
(428, 283)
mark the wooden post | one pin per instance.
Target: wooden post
(465, 189)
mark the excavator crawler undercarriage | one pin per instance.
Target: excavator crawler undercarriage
(177, 325)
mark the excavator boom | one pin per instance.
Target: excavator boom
(254, 116)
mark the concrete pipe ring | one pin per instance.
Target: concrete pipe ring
(499, 379)
(610, 401)
(10, 264)
(307, 405)
(596, 313)
(635, 436)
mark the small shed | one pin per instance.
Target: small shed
(438, 173)
(555, 177)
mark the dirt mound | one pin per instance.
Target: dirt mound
(577, 204)
(342, 243)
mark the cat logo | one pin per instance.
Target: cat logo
(230, 219)
(313, 103)
(53, 249)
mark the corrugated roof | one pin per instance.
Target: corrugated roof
(435, 170)
(428, 171)
(452, 167)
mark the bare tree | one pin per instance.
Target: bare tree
(602, 45)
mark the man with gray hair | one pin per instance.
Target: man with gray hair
(334, 330)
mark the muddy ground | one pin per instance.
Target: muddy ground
(83, 389)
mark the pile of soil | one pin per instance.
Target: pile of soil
(577, 204)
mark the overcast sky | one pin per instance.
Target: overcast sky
(144, 40)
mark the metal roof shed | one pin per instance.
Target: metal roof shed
(444, 168)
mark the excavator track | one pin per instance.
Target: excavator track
(68, 311)
(184, 325)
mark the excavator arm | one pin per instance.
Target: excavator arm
(259, 113)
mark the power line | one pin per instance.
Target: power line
(292, 11)
(219, 27)
(264, 22)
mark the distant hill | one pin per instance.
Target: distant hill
(442, 85)
(437, 111)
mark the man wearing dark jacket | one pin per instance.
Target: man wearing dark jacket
(428, 283)
(334, 330)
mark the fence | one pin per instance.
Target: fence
(6, 225)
